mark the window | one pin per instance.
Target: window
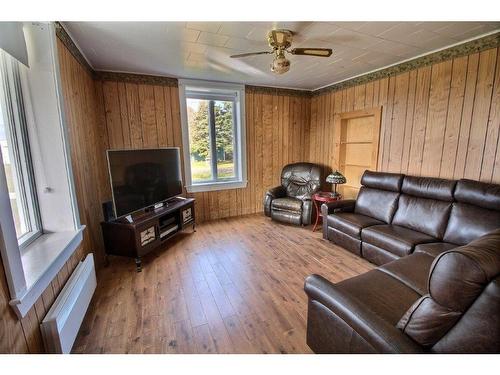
(213, 135)
(40, 227)
(16, 153)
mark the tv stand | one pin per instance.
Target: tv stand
(148, 230)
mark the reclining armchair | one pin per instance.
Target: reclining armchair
(291, 201)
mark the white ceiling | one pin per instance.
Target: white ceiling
(201, 49)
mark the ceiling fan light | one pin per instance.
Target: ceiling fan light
(280, 65)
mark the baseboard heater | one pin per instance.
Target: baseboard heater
(62, 323)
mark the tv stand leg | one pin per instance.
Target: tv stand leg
(194, 227)
(138, 264)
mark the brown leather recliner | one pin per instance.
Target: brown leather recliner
(291, 201)
(417, 304)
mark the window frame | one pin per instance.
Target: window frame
(30, 270)
(11, 97)
(212, 91)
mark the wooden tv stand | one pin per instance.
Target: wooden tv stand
(148, 230)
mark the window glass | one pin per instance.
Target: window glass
(211, 139)
(199, 140)
(224, 135)
(17, 202)
(15, 152)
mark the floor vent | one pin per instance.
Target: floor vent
(61, 324)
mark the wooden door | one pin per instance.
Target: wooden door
(358, 143)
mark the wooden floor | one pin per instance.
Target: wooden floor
(234, 286)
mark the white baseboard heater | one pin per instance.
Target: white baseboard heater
(62, 323)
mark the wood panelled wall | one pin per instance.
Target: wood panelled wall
(441, 120)
(146, 115)
(85, 120)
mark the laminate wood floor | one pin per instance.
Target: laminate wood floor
(234, 286)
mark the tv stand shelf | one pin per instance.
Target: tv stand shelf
(148, 230)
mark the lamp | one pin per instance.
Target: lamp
(280, 63)
(336, 178)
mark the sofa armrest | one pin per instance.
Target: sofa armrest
(275, 192)
(380, 334)
(345, 205)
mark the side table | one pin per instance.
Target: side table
(323, 197)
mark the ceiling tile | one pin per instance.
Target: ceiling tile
(211, 27)
(237, 29)
(182, 34)
(376, 28)
(400, 30)
(241, 44)
(354, 39)
(350, 25)
(212, 39)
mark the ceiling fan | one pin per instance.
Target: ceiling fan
(280, 41)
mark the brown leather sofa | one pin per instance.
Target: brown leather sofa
(394, 215)
(291, 201)
(440, 294)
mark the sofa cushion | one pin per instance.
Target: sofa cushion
(381, 293)
(478, 193)
(351, 223)
(396, 239)
(468, 222)
(382, 180)
(344, 240)
(456, 279)
(428, 187)
(377, 255)
(289, 217)
(434, 249)
(287, 204)
(412, 270)
(379, 204)
(424, 215)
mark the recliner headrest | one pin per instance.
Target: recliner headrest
(478, 193)
(382, 180)
(428, 187)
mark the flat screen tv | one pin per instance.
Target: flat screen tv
(142, 178)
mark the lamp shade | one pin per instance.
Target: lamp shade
(336, 178)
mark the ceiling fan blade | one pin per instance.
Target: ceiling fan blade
(320, 52)
(251, 54)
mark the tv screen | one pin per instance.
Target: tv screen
(142, 178)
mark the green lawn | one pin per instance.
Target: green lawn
(200, 170)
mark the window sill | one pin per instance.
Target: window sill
(213, 186)
(42, 260)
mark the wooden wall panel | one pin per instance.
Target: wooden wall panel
(440, 120)
(277, 130)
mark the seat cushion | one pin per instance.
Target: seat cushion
(351, 223)
(434, 248)
(398, 240)
(287, 204)
(413, 271)
(386, 296)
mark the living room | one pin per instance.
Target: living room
(234, 185)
